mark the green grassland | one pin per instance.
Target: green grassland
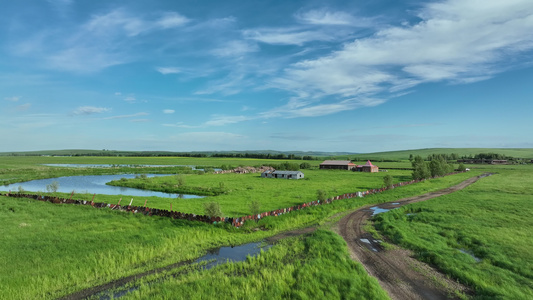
(404, 154)
(311, 267)
(51, 250)
(239, 190)
(491, 220)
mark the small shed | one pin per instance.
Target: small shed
(337, 164)
(282, 174)
(368, 167)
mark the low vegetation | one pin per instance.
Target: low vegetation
(51, 250)
(313, 267)
(479, 236)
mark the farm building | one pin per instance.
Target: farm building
(368, 167)
(337, 164)
(282, 174)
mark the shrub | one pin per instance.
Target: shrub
(212, 209)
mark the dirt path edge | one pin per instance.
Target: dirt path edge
(398, 273)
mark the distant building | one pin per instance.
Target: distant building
(368, 167)
(282, 174)
(337, 164)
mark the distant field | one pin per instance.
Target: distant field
(388, 155)
(404, 154)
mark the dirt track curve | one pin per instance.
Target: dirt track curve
(398, 273)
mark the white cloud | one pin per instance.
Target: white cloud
(168, 70)
(118, 94)
(325, 17)
(104, 40)
(456, 41)
(283, 36)
(171, 20)
(116, 21)
(127, 116)
(89, 110)
(224, 120)
(130, 99)
(229, 85)
(13, 99)
(84, 59)
(235, 48)
(181, 125)
(168, 111)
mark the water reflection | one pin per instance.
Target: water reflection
(92, 184)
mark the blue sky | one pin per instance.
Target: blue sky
(357, 76)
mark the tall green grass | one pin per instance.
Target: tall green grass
(490, 219)
(314, 267)
(51, 250)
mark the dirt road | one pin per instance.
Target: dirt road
(398, 273)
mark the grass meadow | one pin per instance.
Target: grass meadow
(307, 267)
(51, 250)
(481, 236)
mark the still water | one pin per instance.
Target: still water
(91, 184)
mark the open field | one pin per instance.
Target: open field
(480, 236)
(404, 154)
(67, 248)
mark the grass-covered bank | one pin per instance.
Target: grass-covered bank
(481, 235)
(311, 267)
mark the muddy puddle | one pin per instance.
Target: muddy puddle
(378, 210)
(372, 244)
(213, 258)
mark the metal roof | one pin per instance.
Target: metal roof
(337, 162)
(287, 172)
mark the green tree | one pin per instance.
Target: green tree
(461, 167)
(420, 168)
(321, 195)
(387, 180)
(255, 207)
(180, 180)
(52, 187)
(212, 209)
(305, 165)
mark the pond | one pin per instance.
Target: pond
(92, 184)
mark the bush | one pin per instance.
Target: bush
(212, 209)
(321, 195)
(387, 180)
(52, 187)
(255, 207)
